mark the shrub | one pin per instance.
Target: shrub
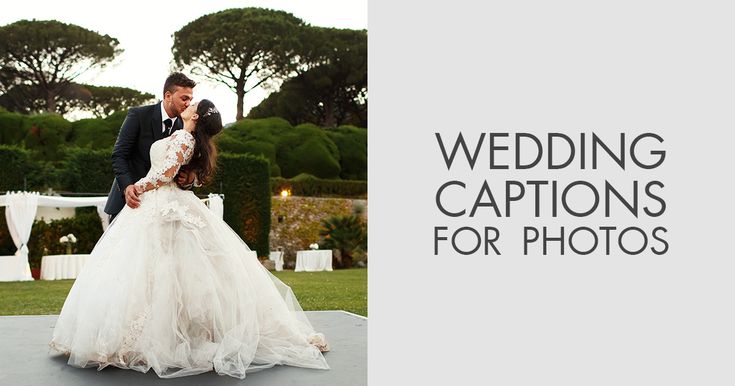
(244, 180)
(257, 137)
(352, 144)
(21, 172)
(266, 129)
(227, 142)
(95, 133)
(45, 236)
(307, 149)
(116, 119)
(11, 128)
(347, 234)
(265, 149)
(16, 164)
(326, 153)
(87, 170)
(46, 134)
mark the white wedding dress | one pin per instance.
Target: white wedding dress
(170, 286)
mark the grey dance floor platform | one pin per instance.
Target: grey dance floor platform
(25, 358)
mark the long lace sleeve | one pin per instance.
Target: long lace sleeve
(178, 152)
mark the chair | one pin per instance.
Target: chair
(277, 257)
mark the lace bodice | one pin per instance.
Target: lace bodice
(167, 156)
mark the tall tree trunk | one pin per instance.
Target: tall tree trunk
(329, 120)
(240, 98)
(50, 102)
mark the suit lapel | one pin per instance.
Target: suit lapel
(156, 123)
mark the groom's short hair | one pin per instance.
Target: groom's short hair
(177, 79)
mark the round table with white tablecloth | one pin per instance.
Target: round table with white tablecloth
(55, 267)
(313, 260)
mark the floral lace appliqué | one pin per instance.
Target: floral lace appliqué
(319, 341)
(174, 211)
(179, 150)
(133, 333)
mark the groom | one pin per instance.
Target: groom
(143, 126)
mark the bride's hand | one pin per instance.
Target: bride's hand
(131, 196)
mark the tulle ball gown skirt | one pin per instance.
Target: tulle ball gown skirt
(171, 287)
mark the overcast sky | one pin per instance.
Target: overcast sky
(145, 29)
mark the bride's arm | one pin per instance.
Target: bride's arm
(178, 151)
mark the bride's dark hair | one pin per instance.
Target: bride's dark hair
(207, 126)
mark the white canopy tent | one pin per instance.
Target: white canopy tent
(20, 210)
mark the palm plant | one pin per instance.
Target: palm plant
(347, 234)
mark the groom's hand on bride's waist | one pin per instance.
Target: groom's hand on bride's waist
(186, 178)
(131, 196)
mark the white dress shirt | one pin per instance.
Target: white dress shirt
(164, 116)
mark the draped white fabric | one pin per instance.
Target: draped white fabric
(216, 205)
(71, 202)
(19, 212)
(104, 217)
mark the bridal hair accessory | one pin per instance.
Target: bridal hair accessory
(210, 111)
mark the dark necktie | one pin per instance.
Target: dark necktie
(168, 123)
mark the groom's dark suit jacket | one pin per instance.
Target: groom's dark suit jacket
(131, 157)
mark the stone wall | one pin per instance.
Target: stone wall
(295, 221)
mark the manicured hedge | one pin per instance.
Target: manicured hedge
(16, 163)
(326, 153)
(264, 149)
(46, 134)
(310, 186)
(87, 171)
(244, 180)
(257, 137)
(94, 133)
(307, 149)
(21, 170)
(352, 144)
(11, 128)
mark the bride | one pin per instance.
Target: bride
(170, 286)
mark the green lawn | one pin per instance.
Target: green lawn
(337, 290)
